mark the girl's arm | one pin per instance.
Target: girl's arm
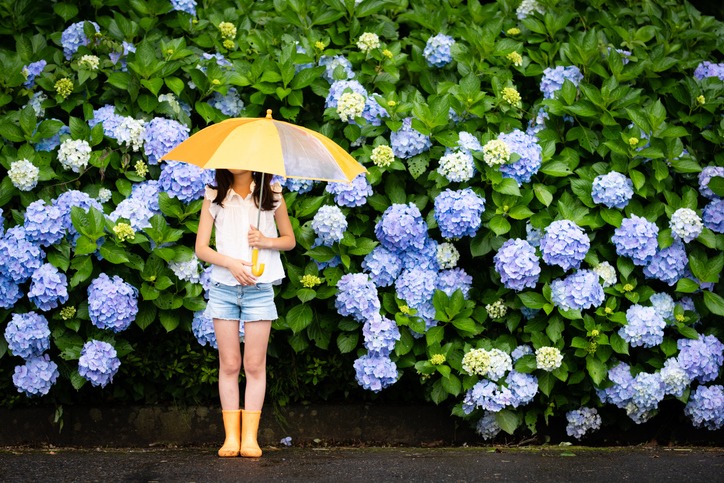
(285, 241)
(206, 253)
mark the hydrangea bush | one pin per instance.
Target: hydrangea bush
(540, 187)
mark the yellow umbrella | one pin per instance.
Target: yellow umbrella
(267, 146)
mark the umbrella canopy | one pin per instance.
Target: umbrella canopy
(269, 146)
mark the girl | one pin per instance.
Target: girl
(236, 295)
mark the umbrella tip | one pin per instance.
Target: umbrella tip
(268, 114)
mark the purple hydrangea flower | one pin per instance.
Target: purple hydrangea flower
(565, 244)
(705, 407)
(707, 69)
(73, 37)
(49, 288)
(530, 156)
(108, 117)
(416, 286)
(424, 258)
(533, 235)
(437, 50)
(663, 304)
(9, 292)
(517, 264)
(43, 223)
(380, 335)
(383, 266)
(468, 142)
(624, 55)
(49, 144)
(406, 142)
(458, 212)
(28, 335)
(351, 194)
(451, 280)
(331, 62)
(112, 303)
(622, 390)
(185, 181)
(487, 395)
(73, 198)
(301, 186)
(537, 124)
(375, 372)
(669, 264)
(636, 238)
(161, 136)
(701, 358)
(373, 112)
(220, 60)
(147, 192)
(581, 421)
(357, 297)
(300, 67)
(402, 228)
(579, 291)
(613, 190)
(188, 6)
(31, 70)
(644, 327)
(488, 427)
(19, 257)
(523, 386)
(521, 351)
(553, 79)
(203, 328)
(337, 89)
(35, 377)
(648, 392)
(705, 176)
(329, 224)
(135, 210)
(98, 362)
(713, 216)
(229, 104)
(126, 48)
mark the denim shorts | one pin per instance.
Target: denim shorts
(241, 302)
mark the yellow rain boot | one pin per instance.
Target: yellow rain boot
(249, 426)
(232, 427)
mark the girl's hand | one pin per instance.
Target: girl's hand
(257, 239)
(240, 272)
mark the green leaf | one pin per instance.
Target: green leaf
(716, 184)
(546, 381)
(499, 225)
(169, 319)
(77, 380)
(507, 420)
(714, 302)
(434, 335)
(507, 187)
(532, 300)
(452, 384)
(347, 341)
(438, 393)
(299, 317)
(686, 285)
(596, 369)
(113, 253)
(618, 343)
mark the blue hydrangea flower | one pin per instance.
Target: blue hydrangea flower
(337, 89)
(530, 156)
(713, 216)
(108, 117)
(28, 335)
(73, 37)
(553, 79)
(357, 297)
(487, 395)
(613, 190)
(229, 104)
(31, 70)
(488, 427)
(707, 69)
(669, 264)
(73, 198)
(331, 62)
(115, 56)
(523, 386)
(565, 244)
(43, 223)
(188, 6)
(529, 313)
(220, 60)
(558, 294)
(301, 186)
(383, 266)
(705, 407)
(373, 112)
(416, 286)
(437, 50)
(380, 335)
(49, 288)
(450, 281)
(580, 290)
(537, 124)
(581, 421)
(664, 305)
(406, 142)
(35, 377)
(533, 235)
(112, 303)
(19, 257)
(687, 303)
(135, 210)
(520, 351)
(644, 327)
(622, 390)
(624, 55)
(300, 67)
(147, 192)
(375, 372)
(49, 144)
(636, 238)
(10, 292)
(187, 271)
(329, 224)
(98, 362)
(424, 258)
(517, 264)
(648, 391)
(458, 212)
(351, 194)
(185, 181)
(701, 358)
(685, 225)
(203, 329)
(402, 228)
(675, 378)
(468, 142)
(705, 176)
(161, 136)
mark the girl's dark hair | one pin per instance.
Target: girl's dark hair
(224, 180)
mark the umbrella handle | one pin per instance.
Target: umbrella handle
(256, 269)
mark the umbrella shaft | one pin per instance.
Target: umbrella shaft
(261, 197)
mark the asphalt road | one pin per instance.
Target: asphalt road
(539, 464)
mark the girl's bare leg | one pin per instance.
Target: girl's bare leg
(256, 339)
(227, 337)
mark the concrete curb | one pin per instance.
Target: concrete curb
(148, 425)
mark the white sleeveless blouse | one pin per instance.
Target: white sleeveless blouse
(232, 227)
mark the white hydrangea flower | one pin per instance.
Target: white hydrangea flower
(23, 174)
(368, 41)
(350, 105)
(457, 166)
(496, 152)
(130, 132)
(188, 271)
(548, 358)
(447, 256)
(74, 154)
(497, 309)
(90, 61)
(527, 7)
(171, 99)
(607, 273)
(104, 194)
(492, 364)
(382, 156)
(685, 224)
